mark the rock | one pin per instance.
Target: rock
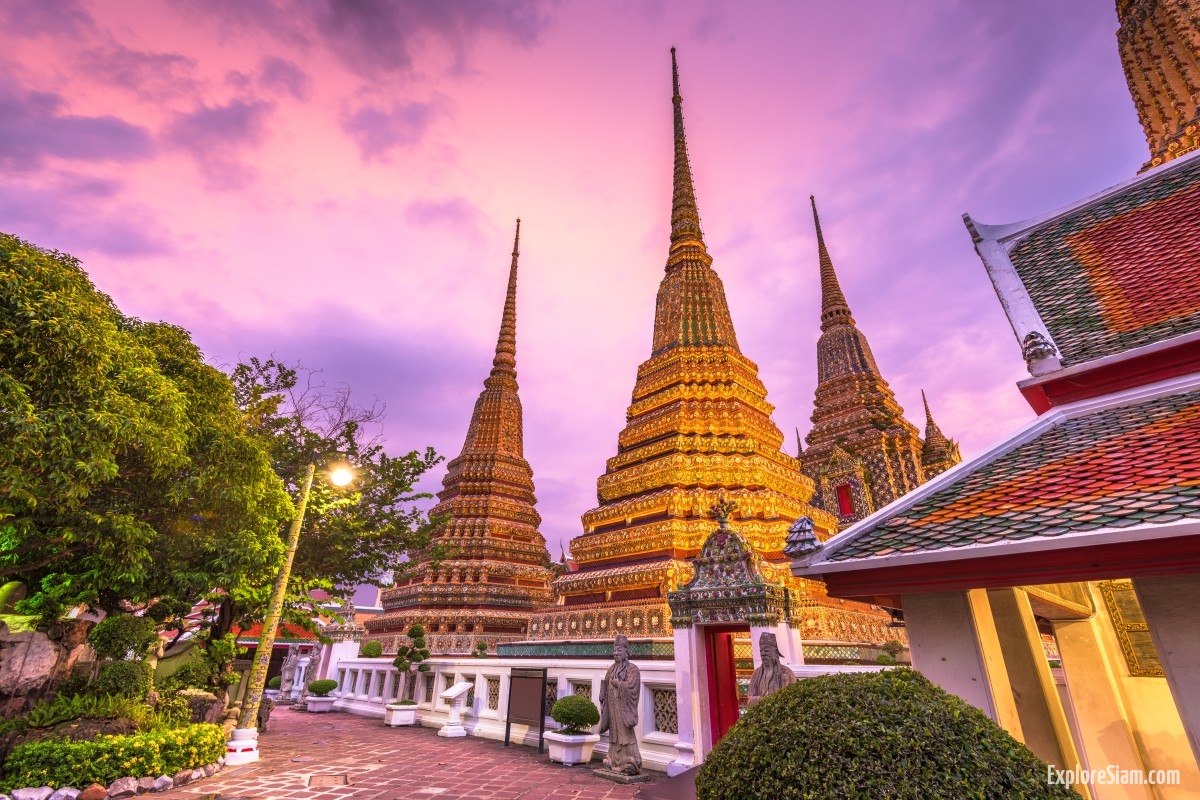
(123, 787)
(40, 793)
(198, 774)
(221, 761)
(144, 785)
(65, 793)
(162, 783)
(209, 770)
(183, 777)
(93, 792)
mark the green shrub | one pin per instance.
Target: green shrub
(886, 734)
(73, 686)
(574, 714)
(172, 711)
(275, 682)
(106, 758)
(885, 659)
(322, 688)
(371, 649)
(194, 675)
(480, 650)
(123, 679)
(48, 713)
(121, 636)
(414, 653)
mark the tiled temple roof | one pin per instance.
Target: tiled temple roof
(1132, 465)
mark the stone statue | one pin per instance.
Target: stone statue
(770, 676)
(800, 539)
(619, 696)
(287, 677)
(311, 671)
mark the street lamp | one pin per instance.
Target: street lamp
(242, 748)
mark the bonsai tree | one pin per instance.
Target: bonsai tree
(574, 715)
(884, 734)
(371, 649)
(414, 654)
(480, 650)
(322, 688)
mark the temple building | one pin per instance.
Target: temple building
(1083, 527)
(862, 453)
(698, 430)
(1160, 51)
(498, 570)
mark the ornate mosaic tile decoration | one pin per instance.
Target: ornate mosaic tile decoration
(500, 571)
(1115, 468)
(699, 426)
(1159, 41)
(727, 585)
(1119, 273)
(862, 452)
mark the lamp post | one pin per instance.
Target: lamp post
(242, 748)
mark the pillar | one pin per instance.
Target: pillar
(953, 640)
(1171, 605)
(1039, 707)
(687, 645)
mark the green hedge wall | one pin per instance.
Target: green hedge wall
(106, 758)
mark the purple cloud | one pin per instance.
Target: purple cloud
(377, 131)
(153, 76)
(282, 76)
(214, 135)
(457, 211)
(37, 17)
(33, 128)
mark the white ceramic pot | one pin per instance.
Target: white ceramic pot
(320, 705)
(271, 694)
(395, 715)
(570, 750)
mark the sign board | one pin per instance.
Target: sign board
(527, 701)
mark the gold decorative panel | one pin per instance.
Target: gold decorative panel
(1132, 631)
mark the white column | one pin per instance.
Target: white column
(954, 644)
(1170, 606)
(298, 678)
(685, 700)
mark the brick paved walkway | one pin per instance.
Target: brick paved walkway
(394, 764)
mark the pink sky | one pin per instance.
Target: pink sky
(336, 182)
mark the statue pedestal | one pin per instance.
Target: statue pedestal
(620, 777)
(455, 696)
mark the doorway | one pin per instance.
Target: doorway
(730, 665)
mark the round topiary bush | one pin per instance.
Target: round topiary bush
(121, 636)
(886, 734)
(574, 714)
(275, 682)
(322, 688)
(123, 679)
(371, 649)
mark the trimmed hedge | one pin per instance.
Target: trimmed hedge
(106, 758)
(123, 679)
(322, 688)
(887, 734)
(575, 714)
(371, 649)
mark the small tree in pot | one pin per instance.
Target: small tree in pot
(319, 700)
(408, 657)
(572, 743)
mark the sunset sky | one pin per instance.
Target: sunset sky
(337, 183)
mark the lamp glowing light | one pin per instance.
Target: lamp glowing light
(341, 476)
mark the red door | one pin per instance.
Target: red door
(722, 679)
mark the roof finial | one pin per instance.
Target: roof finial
(506, 344)
(834, 308)
(799, 445)
(685, 215)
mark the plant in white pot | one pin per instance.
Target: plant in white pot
(402, 712)
(572, 743)
(272, 690)
(319, 700)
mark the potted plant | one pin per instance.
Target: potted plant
(572, 743)
(412, 655)
(272, 690)
(402, 712)
(319, 700)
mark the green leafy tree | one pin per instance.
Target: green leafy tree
(128, 477)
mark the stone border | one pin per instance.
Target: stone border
(120, 788)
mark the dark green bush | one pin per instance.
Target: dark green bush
(414, 653)
(106, 758)
(574, 714)
(322, 688)
(887, 734)
(371, 649)
(73, 686)
(123, 679)
(48, 713)
(194, 675)
(121, 636)
(275, 682)
(172, 711)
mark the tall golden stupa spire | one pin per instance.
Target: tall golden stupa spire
(1160, 51)
(834, 308)
(499, 568)
(698, 429)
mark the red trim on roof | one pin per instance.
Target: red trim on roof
(1141, 559)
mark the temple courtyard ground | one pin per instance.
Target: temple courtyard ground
(346, 756)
